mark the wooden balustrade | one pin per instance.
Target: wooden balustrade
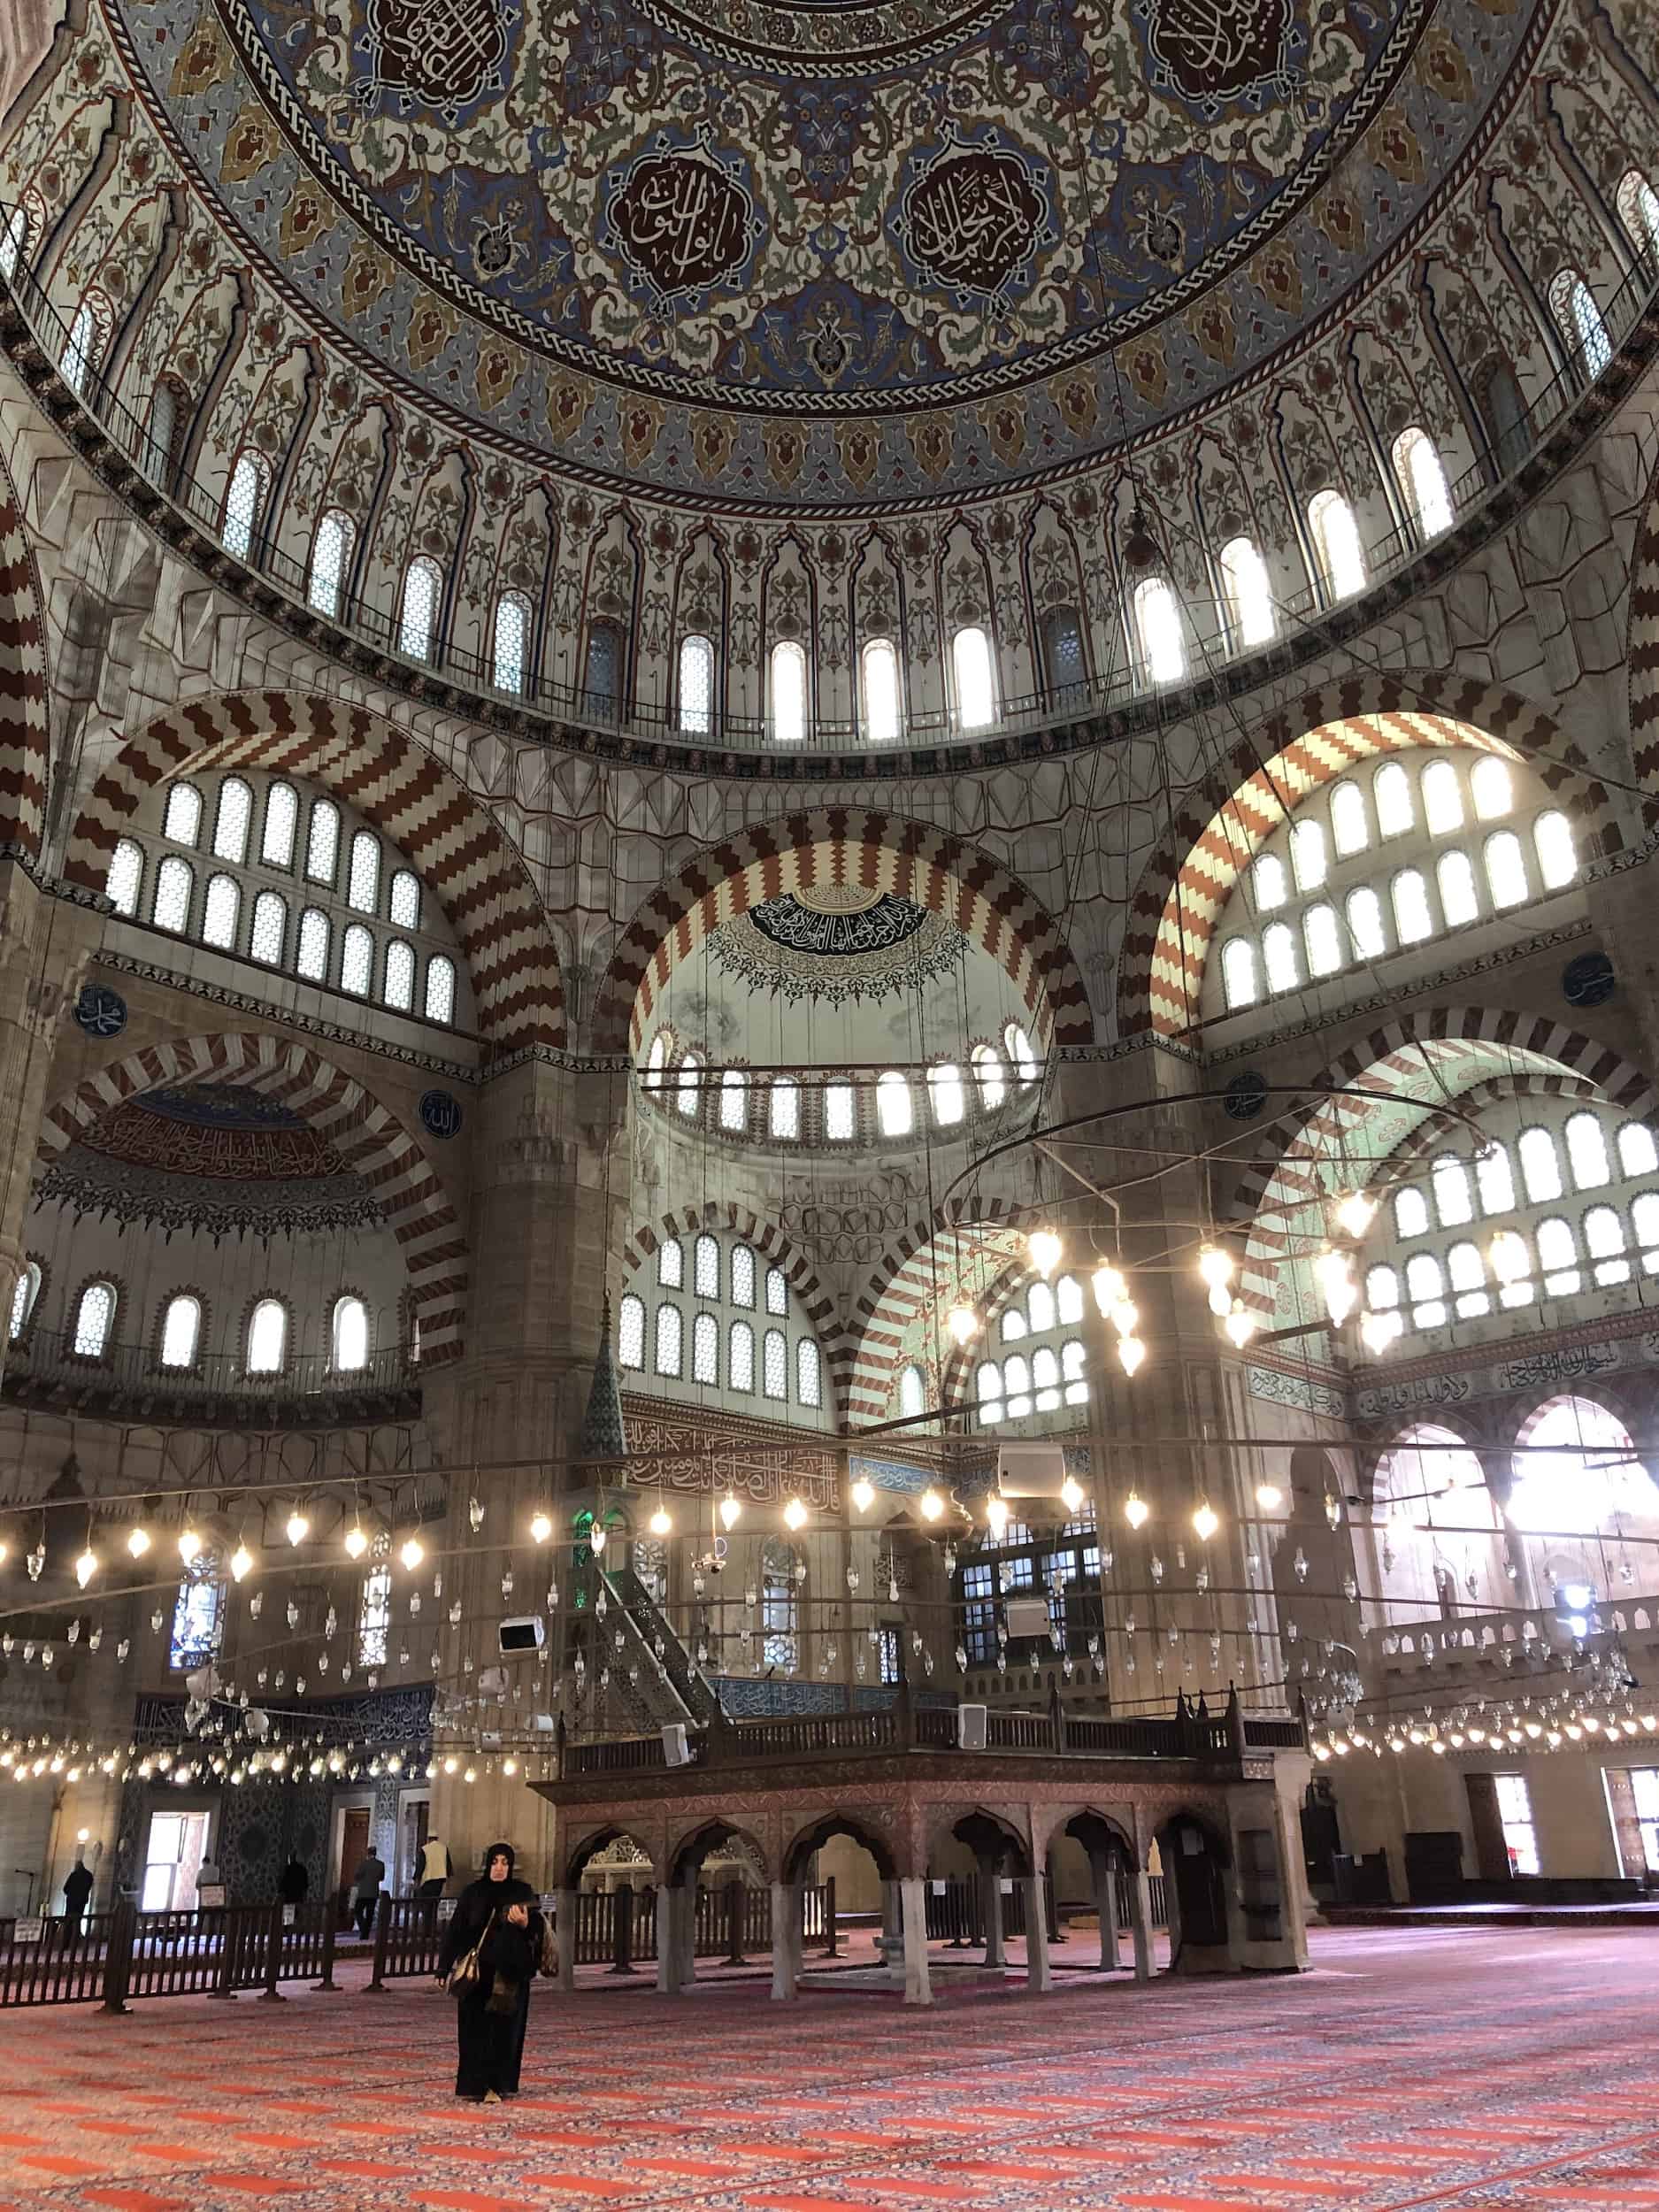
(122, 1953)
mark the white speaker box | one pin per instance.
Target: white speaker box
(970, 1727)
(1027, 1617)
(676, 1750)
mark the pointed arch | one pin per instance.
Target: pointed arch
(24, 725)
(475, 872)
(1184, 887)
(362, 1130)
(907, 1282)
(882, 852)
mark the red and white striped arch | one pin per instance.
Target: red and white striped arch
(366, 1135)
(845, 845)
(1184, 890)
(899, 1315)
(24, 721)
(453, 843)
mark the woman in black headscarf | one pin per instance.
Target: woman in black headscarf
(490, 2016)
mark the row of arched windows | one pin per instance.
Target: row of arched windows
(726, 1350)
(792, 1113)
(1322, 928)
(179, 1345)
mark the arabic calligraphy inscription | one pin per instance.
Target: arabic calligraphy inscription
(682, 221)
(973, 218)
(440, 52)
(1218, 49)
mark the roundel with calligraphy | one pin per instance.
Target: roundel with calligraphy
(590, 223)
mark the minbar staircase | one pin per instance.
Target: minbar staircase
(670, 1686)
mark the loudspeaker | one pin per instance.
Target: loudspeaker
(970, 1727)
(529, 1634)
(676, 1750)
(544, 1724)
(1030, 1470)
(1027, 1616)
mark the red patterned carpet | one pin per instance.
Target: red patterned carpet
(1454, 2069)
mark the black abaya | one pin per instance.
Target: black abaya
(491, 2018)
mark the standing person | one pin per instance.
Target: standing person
(365, 1889)
(77, 1890)
(435, 1868)
(293, 1881)
(491, 2016)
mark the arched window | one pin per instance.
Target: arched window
(162, 431)
(893, 1104)
(423, 594)
(788, 692)
(80, 354)
(1392, 796)
(697, 685)
(1586, 1152)
(374, 1617)
(182, 825)
(1411, 1213)
(1158, 631)
(1604, 1240)
(1073, 1373)
(1350, 825)
(181, 1331)
(1062, 636)
(603, 682)
(976, 684)
(882, 713)
(171, 907)
(94, 1317)
(363, 875)
(1558, 1257)
(774, 1366)
(987, 1384)
(655, 1061)
(1454, 1202)
(705, 1266)
(267, 1337)
(1414, 918)
(1541, 1166)
(840, 1113)
(688, 1093)
(400, 976)
(1238, 972)
(441, 988)
(331, 550)
(1247, 592)
(780, 1646)
(356, 961)
(1322, 937)
(1492, 786)
(1637, 1153)
(1021, 1058)
(1442, 798)
(989, 1075)
(1017, 1386)
(269, 935)
(198, 1615)
(1278, 958)
(671, 1264)
(1268, 885)
(1045, 1378)
(1040, 1307)
(221, 910)
(349, 1335)
(242, 504)
(734, 1100)
(912, 1393)
(126, 877)
(405, 908)
(25, 1292)
(1362, 911)
(1335, 536)
(1425, 1288)
(1382, 1289)
(281, 819)
(1068, 1298)
(743, 1276)
(809, 1378)
(1423, 480)
(1637, 205)
(1506, 869)
(945, 1093)
(739, 1358)
(705, 1349)
(1013, 1324)
(1580, 323)
(14, 236)
(1495, 1180)
(783, 1108)
(1552, 841)
(310, 957)
(1460, 895)
(322, 841)
(667, 1360)
(512, 641)
(1308, 856)
(232, 820)
(631, 1334)
(1576, 1470)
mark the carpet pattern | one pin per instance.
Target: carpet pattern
(1465, 2069)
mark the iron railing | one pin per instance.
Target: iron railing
(356, 618)
(44, 1364)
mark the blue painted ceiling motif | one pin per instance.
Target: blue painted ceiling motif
(588, 223)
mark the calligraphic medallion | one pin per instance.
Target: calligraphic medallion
(442, 53)
(1213, 52)
(974, 218)
(681, 219)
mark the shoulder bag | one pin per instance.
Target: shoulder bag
(465, 1974)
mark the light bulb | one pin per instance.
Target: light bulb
(1206, 1520)
(1046, 1250)
(1331, 1271)
(963, 1322)
(730, 1509)
(1220, 1302)
(240, 1560)
(541, 1528)
(1130, 1352)
(138, 1542)
(1240, 1324)
(596, 1538)
(1109, 1288)
(1269, 1496)
(1377, 1330)
(864, 1495)
(931, 1504)
(795, 1514)
(412, 1552)
(190, 1543)
(1136, 1509)
(1354, 1212)
(1071, 1493)
(661, 1522)
(1124, 1314)
(296, 1528)
(996, 1516)
(86, 1566)
(1215, 1266)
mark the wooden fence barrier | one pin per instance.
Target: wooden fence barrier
(116, 1956)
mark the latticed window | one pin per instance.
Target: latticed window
(220, 911)
(789, 693)
(841, 1116)
(267, 1337)
(1580, 320)
(631, 1334)
(668, 1336)
(512, 641)
(734, 1100)
(181, 1331)
(705, 1349)
(14, 235)
(331, 549)
(232, 820)
(25, 1293)
(242, 504)
(423, 592)
(777, 1291)
(775, 1364)
(881, 691)
(374, 1617)
(182, 823)
(322, 843)
(1158, 631)
(706, 1267)
(281, 820)
(743, 1276)
(363, 878)
(405, 908)
(356, 961)
(439, 989)
(976, 685)
(784, 1108)
(126, 876)
(94, 1317)
(697, 685)
(778, 1643)
(1248, 594)
(740, 1356)
(809, 1383)
(1423, 480)
(1336, 540)
(400, 976)
(75, 365)
(310, 957)
(174, 883)
(349, 1334)
(671, 1264)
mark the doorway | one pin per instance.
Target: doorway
(354, 1843)
(414, 1825)
(173, 1853)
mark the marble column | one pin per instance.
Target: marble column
(1140, 1923)
(913, 1912)
(786, 1940)
(1039, 1976)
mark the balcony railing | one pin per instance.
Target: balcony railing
(43, 1367)
(358, 620)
